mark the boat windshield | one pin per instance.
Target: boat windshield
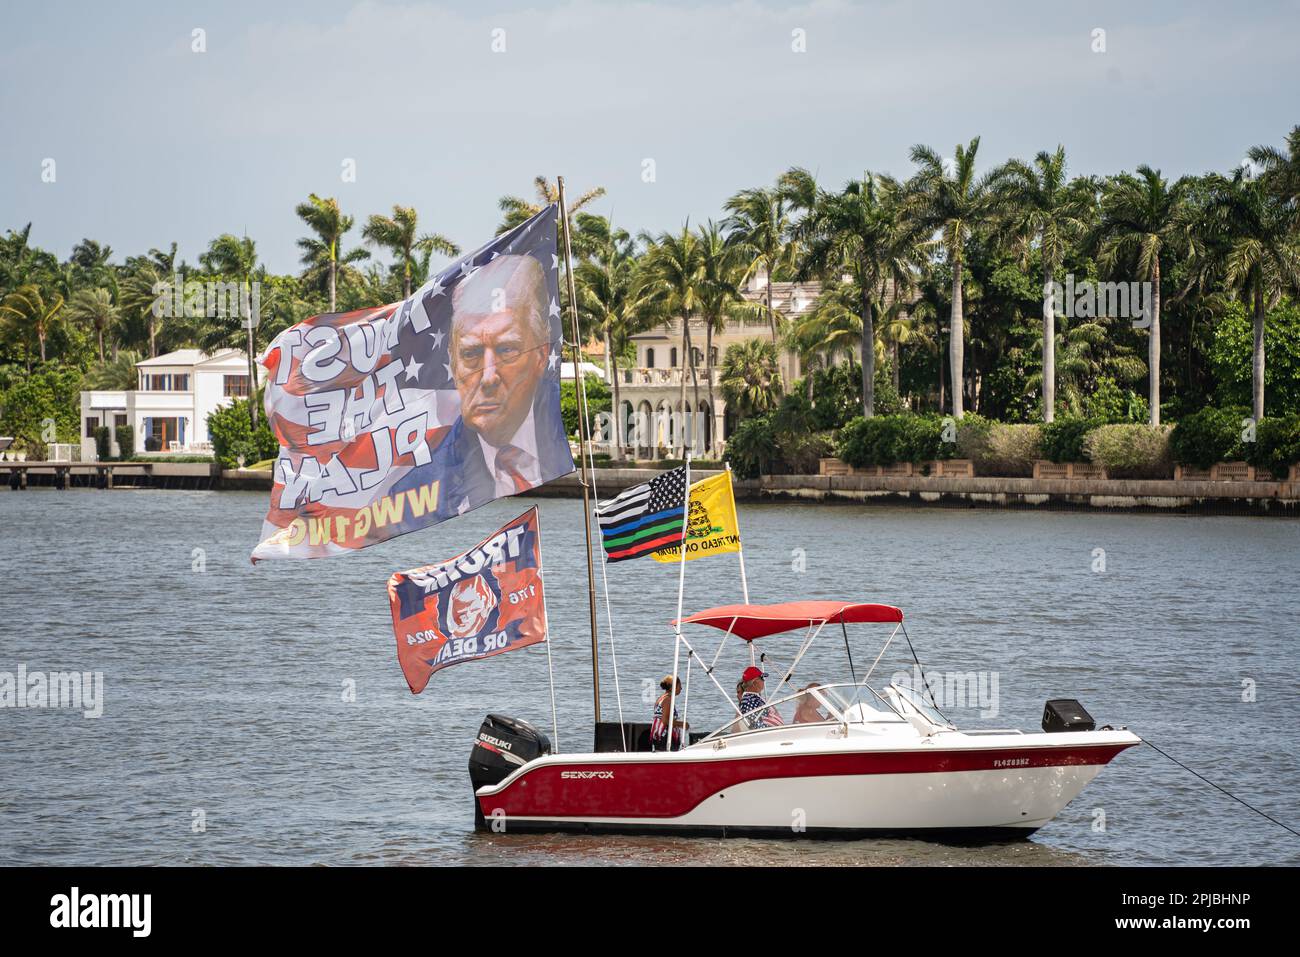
(916, 700)
(814, 704)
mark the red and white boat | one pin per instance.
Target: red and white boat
(881, 762)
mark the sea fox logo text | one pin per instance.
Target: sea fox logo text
(586, 775)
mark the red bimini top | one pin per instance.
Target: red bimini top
(759, 621)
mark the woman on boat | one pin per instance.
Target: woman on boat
(753, 706)
(809, 709)
(659, 725)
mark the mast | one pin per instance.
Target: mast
(581, 396)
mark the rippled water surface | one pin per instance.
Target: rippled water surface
(224, 687)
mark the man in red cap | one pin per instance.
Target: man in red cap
(753, 706)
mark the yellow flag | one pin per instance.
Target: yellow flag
(711, 527)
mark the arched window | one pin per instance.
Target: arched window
(672, 357)
(649, 358)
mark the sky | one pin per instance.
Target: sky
(672, 107)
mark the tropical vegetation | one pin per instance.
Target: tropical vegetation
(1021, 311)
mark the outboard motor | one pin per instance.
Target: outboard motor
(1066, 714)
(503, 744)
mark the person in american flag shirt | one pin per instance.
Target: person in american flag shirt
(753, 706)
(659, 725)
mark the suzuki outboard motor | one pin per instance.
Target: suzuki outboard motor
(503, 745)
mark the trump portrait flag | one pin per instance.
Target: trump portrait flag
(481, 603)
(399, 417)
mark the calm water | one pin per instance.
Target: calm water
(224, 688)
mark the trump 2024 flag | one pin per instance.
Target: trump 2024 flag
(400, 417)
(484, 602)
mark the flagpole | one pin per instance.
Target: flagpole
(681, 585)
(740, 551)
(740, 545)
(686, 522)
(581, 397)
(546, 628)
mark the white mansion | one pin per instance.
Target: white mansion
(169, 408)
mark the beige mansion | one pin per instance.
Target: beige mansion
(654, 417)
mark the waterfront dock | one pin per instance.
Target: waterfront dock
(18, 476)
(1162, 495)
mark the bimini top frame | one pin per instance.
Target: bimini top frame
(751, 622)
(759, 621)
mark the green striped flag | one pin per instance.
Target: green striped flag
(644, 518)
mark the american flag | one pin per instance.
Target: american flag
(644, 518)
(758, 712)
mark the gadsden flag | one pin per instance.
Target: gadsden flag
(711, 526)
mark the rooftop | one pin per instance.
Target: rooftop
(188, 357)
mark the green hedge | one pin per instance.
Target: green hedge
(1062, 440)
(887, 439)
(103, 443)
(232, 436)
(1208, 436)
(1277, 445)
(1130, 451)
(752, 448)
(126, 441)
(1012, 450)
(599, 399)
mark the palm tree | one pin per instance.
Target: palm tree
(674, 275)
(799, 189)
(1250, 228)
(831, 330)
(759, 224)
(859, 233)
(94, 308)
(953, 202)
(324, 250)
(518, 210)
(90, 260)
(721, 273)
(612, 298)
(144, 277)
(1143, 217)
(898, 327)
(116, 375)
(397, 234)
(1089, 349)
(928, 305)
(1280, 171)
(751, 378)
(232, 256)
(27, 310)
(1044, 209)
(15, 257)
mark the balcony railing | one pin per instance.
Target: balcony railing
(669, 376)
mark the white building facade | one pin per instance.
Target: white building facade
(169, 408)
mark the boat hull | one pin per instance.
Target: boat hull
(973, 792)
